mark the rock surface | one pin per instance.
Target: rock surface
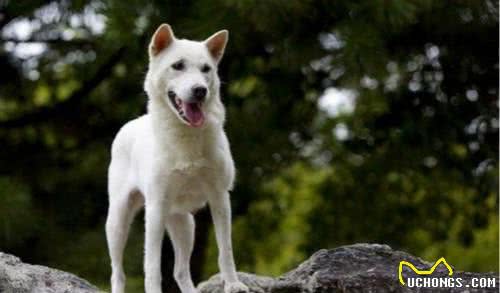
(354, 268)
(18, 277)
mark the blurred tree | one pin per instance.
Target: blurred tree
(349, 121)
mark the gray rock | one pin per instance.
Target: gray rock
(18, 277)
(353, 268)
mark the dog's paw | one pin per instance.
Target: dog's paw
(235, 287)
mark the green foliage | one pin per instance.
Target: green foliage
(413, 164)
(16, 212)
(480, 255)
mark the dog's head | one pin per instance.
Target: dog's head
(184, 73)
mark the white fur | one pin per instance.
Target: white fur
(172, 169)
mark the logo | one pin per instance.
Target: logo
(422, 272)
(423, 280)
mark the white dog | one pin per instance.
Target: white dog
(173, 161)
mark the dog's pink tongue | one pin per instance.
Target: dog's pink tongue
(194, 114)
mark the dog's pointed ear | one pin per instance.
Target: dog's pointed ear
(162, 38)
(217, 43)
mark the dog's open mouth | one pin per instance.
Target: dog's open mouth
(191, 113)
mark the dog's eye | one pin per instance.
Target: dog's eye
(205, 68)
(179, 65)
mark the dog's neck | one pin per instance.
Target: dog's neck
(190, 143)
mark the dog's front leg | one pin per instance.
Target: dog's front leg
(155, 223)
(220, 207)
(181, 230)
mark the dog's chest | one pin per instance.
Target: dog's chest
(192, 166)
(192, 175)
(189, 189)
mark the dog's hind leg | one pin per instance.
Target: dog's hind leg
(180, 228)
(122, 209)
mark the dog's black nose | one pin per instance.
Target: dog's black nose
(199, 93)
(171, 94)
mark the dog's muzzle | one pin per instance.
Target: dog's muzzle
(190, 111)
